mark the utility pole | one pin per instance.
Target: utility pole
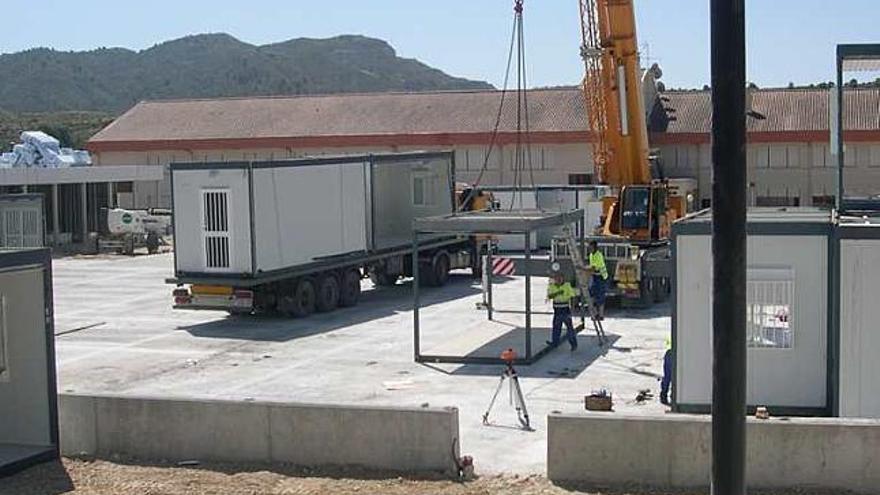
(728, 247)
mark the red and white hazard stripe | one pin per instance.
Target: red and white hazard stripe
(503, 267)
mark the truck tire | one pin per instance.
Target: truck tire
(440, 266)
(661, 289)
(298, 301)
(380, 278)
(350, 291)
(328, 293)
(128, 246)
(152, 243)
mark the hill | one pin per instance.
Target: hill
(209, 65)
(72, 95)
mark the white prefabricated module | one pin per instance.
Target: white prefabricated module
(788, 311)
(859, 322)
(812, 313)
(262, 217)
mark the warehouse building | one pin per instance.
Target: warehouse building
(788, 155)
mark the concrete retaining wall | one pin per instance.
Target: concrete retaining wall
(675, 451)
(401, 439)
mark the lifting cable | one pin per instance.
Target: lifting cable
(517, 40)
(522, 113)
(494, 137)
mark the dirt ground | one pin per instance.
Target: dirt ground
(94, 477)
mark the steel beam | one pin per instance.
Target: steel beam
(56, 227)
(728, 54)
(528, 249)
(415, 276)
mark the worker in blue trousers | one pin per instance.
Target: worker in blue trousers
(598, 280)
(561, 293)
(666, 381)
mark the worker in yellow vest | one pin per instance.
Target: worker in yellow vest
(598, 280)
(561, 293)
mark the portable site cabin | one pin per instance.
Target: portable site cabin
(251, 218)
(859, 322)
(789, 255)
(813, 318)
(21, 221)
(28, 404)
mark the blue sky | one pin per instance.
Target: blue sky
(788, 40)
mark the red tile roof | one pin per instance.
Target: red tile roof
(787, 110)
(551, 111)
(450, 118)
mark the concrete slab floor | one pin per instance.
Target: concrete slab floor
(119, 335)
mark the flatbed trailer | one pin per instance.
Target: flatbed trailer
(297, 236)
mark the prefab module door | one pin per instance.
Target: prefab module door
(21, 228)
(216, 230)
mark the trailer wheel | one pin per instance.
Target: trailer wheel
(152, 243)
(328, 293)
(661, 289)
(128, 246)
(350, 291)
(381, 278)
(300, 301)
(441, 269)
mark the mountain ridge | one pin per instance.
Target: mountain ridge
(210, 65)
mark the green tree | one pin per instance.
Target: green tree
(59, 132)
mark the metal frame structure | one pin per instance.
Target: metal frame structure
(850, 57)
(41, 258)
(524, 222)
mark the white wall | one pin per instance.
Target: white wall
(859, 328)
(776, 377)
(795, 169)
(24, 390)
(301, 213)
(189, 245)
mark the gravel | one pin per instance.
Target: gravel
(98, 477)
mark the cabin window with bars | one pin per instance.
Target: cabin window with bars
(216, 229)
(769, 317)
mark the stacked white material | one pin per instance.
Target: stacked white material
(38, 149)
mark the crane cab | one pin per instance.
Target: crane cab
(640, 212)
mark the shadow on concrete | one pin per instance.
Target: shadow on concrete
(48, 478)
(658, 310)
(558, 363)
(374, 304)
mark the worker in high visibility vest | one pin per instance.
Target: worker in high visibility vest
(667, 372)
(598, 280)
(561, 293)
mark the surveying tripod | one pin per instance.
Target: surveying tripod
(516, 396)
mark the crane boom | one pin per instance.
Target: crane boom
(612, 89)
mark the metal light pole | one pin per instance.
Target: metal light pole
(728, 247)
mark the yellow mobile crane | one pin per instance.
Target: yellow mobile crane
(638, 216)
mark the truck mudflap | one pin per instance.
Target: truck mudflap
(216, 298)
